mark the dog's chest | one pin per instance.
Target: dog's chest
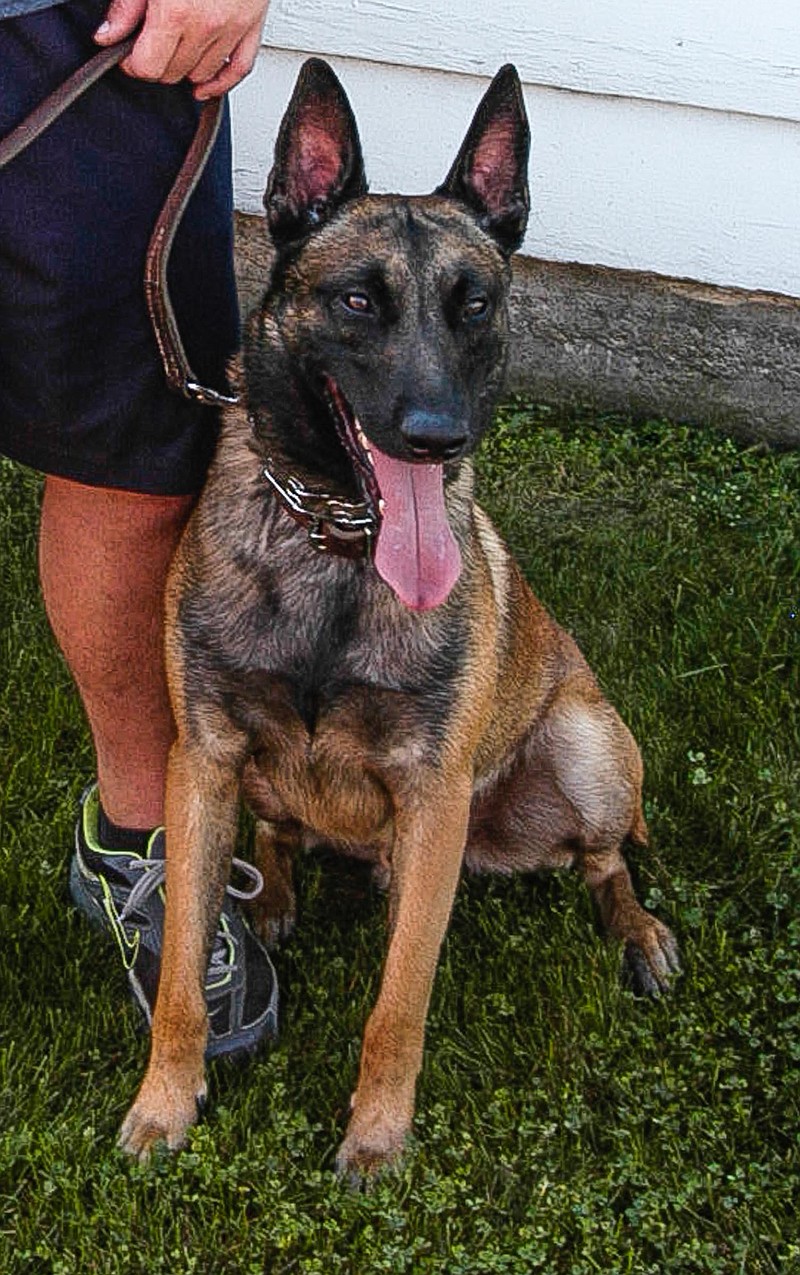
(341, 699)
(335, 766)
(338, 698)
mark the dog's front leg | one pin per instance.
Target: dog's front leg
(202, 808)
(426, 861)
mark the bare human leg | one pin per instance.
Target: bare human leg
(103, 559)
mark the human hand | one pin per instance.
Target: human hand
(213, 43)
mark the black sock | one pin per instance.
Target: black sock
(111, 837)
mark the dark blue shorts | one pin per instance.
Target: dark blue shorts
(82, 390)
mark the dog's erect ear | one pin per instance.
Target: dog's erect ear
(490, 173)
(318, 163)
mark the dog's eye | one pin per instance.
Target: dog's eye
(475, 307)
(357, 302)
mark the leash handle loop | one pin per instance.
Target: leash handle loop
(179, 374)
(156, 289)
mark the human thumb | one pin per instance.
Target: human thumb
(122, 18)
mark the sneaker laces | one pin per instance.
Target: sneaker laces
(153, 875)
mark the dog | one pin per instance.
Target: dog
(350, 646)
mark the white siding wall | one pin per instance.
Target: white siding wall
(665, 137)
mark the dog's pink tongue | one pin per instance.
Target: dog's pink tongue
(416, 553)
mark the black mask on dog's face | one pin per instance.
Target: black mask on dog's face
(393, 310)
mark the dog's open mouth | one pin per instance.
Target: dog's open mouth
(416, 553)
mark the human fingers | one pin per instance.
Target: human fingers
(234, 69)
(176, 35)
(216, 59)
(193, 38)
(122, 18)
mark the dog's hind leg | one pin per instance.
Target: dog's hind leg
(650, 949)
(572, 796)
(272, 913)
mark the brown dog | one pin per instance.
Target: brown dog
(349, 642)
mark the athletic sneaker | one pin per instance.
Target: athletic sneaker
(122, 892)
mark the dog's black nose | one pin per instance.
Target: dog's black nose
(433, 436)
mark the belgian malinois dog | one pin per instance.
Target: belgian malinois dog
(350, 645)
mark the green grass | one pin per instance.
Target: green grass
(562, 1126)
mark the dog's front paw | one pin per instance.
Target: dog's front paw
(163, 1112)
(370, 1145)
(651, 960)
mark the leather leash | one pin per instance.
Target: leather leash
(334, 526)
(179, 374)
